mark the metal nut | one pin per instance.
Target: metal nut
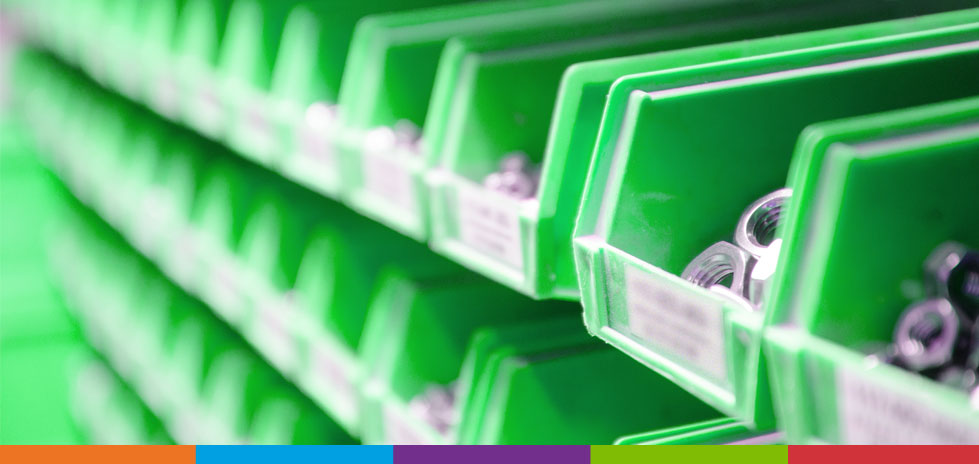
(736, 299)
(756, 228)
(718, 263)
(953, 273)
(959, 378)
(515, 178)
(762, 272)
(436, 406)
(927, 334)
(404, 134)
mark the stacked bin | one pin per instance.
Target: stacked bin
(302, 198)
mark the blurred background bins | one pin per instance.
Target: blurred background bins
(490, 222)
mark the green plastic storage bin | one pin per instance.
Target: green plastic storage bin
(644, 217)
(516, 370)
(383, 161)
(875, 195)
(415, 342)
(526, 244)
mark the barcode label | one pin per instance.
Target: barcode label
(874, 413)
(682, 325)
(390, 181)
(490, 224)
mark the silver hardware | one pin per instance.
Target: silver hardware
(436, 406)
(953, 273)
(720, 262)
(516, 177)
(927, 334)
(757, 226)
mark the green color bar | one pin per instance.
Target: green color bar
(770, 454)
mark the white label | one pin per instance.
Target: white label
(678, 323)
(398, 431)
(258, 129)
(209, 111)
(873, 413)
(185, 258)
(226, 291)
(157, 210)
(275, 332)
(166, 95)
(331, 374)
(490, 223)
(390, 180)
(315, 146)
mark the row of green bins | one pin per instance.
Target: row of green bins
(242, 71)
(451, 361)
(508, 354)
(685, 147)
(413, 152)
(874, 195)
(494, 98)
(291, 270)
(196, 374)
(107, 411)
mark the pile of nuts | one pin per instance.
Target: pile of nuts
(938, 337)
(740, 271)
(516, 177)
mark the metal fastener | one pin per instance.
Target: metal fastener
(516, 177)
(927, 335)
(757, 226)
(762, 272)
(953, 273)
(723, 264)
(436, 406)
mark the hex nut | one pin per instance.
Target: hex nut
(736, 299)
(515, 178)
(758, 223)
(718, 262)
(762, 272)
(952, 272)
(436, 406)
(927, 334)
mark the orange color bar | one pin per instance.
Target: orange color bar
(98, 454)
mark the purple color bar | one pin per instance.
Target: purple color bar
(491, 454)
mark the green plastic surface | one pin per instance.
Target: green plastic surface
(658, 193)
(891, 187)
